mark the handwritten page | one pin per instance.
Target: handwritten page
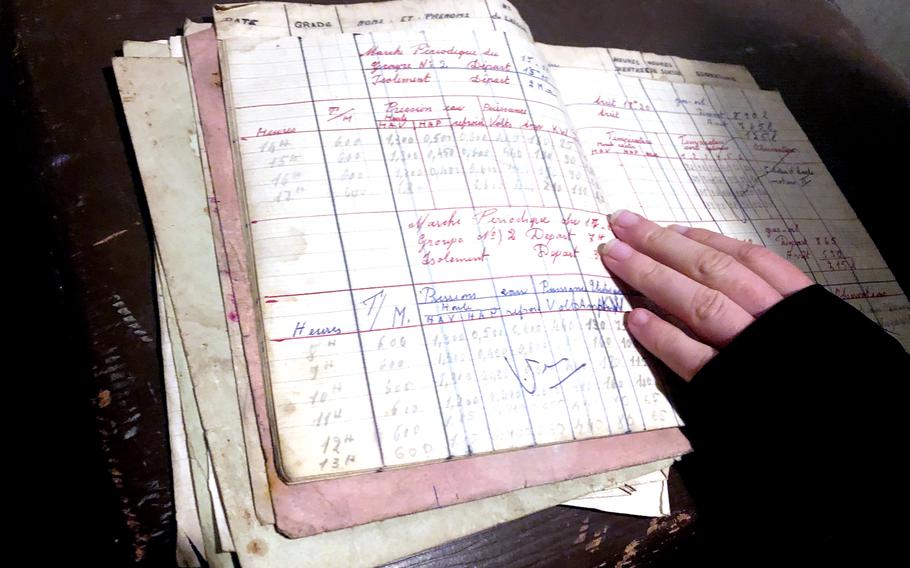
(307, 508)
(731, 160)
(363, 214)
(269, 20)
(423, 221)
(173, 183)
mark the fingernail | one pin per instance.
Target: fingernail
(615, 249)
(679, 229)
(622, 218)
(637, 318)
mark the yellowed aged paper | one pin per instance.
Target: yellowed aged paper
(155, 94)
(189, 529)
(488, 322)
(173, 183)
(195, 527)
(258, 480)
(184, 507)
(647, 65)
(255, 19)
(198, 451)
(146, 49)
(735, 161)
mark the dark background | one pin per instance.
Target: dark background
(77, 375)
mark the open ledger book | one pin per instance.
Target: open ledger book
(415, 195)
(424, 210)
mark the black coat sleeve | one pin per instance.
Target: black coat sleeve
(797, 430)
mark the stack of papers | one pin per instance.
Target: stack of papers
(381, 313)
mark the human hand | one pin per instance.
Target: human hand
(716, 285)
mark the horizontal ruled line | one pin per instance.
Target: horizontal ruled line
(438, 282)
(428, 68)
(254, 221)
(459, 321)
(588, 211)
(472, 96)
(412, 126)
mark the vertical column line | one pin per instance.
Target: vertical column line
(490, 13)
(287, 20)
(647, 161)
(467, 184)
(577, 263)
(723, 176)
(814, 210)
(483, 404)
(385, 163)
(337, 15)
(344, 256)
(680, 158)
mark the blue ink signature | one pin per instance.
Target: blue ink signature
(537, 368)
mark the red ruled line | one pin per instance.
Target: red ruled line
(273, 134)
(445, 126)
(438, 282)
(501, 316)
(397, 97)
(478, 207)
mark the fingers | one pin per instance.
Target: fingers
(783, 276)
(708, 312)
(715, 284)
(684, 355)
(712, 267)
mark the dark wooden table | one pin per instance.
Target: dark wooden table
(79, 222)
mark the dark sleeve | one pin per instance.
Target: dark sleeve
(796, 428)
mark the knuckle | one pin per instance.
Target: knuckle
(754, 254)
(699, 235)
(711, 263)
(652, 274)
(696, 234)
(708, 304)
(756, 295)
(654, 239)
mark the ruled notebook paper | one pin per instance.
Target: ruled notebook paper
(731, 160)
(424, 231)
